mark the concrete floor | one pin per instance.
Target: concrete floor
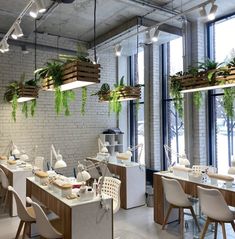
(128, 224)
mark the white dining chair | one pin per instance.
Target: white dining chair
(44, 227)
(177, 198)
(5, 184)
(214, 206)
(26, 214)
(111, 187)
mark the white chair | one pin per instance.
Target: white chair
(5, 184)
(213, 205)
(111, 187)
(26, 214)
(44, 227)
(177, 198)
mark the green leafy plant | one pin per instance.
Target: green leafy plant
(63, 100)
(175, 88)
(197, 99)
(84, 99)
(228, 100)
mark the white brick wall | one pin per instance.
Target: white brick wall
(76, 135)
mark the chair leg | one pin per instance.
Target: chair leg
(195, 218)
(181, 222)
(3, 197)
(19, 229)
(179, 219)
(223, 230)
(205, 228)
(5, 201)
(233, 225)
(167, 216)
(24, 232)
(216, 229)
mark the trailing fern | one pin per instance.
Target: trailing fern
(228, 100)
(84, 99)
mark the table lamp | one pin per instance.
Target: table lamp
(15, 151)
(103, 151)
(60, 163)
(82, 175)
(183, 160)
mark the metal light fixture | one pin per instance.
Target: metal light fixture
(17, 31)
(40, 6)
(155, 36)
(212, 12)
(33, 11)
(148, 37)
(202, 12)
(4, 46)
(118, 50)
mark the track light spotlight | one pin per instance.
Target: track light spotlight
(213, 10)
(4, 46)
(203, 12)
(40, 6)
(118, 50)
(148, 37)
(33, 11)
(17, 31)
(155, 36)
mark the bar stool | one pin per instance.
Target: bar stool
(216, 209)
(177, 198)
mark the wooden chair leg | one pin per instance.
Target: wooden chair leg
(205, 228)
(223, 230)
(195, 218)
(19, 229)
(179, 217)
(5, 201)
(24, 232)
(167, 216)
(182, 222)
(233, 225)
(216, 230)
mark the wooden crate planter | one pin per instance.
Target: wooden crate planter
(24, 91)
(85, 73)
(190, 82)
(126, 93)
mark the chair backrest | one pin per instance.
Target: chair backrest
(21, 209)
(92, 170)
(4, 179)
(213, 204)
(111, 187)
(174, 192)
(43, 225)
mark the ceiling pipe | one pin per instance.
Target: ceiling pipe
(153, 6)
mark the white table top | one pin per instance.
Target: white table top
(69, 202)
(220, 184)
(19, 167)
(126, 164)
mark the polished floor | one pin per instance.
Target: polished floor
(135, 223)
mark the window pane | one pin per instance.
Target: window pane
(223, 51)
(140, 120)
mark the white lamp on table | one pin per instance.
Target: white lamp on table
(60, 163)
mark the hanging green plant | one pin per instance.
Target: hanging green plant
(25, 109)
(33, 107)
(228, 100)
(84, 99)
(175, 88)
(120, 93)
(197, 99)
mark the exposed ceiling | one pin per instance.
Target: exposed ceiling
(75, 20)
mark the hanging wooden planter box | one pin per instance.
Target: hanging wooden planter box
(24, 91)
(190, 83)
(76, 74)
(126, 93)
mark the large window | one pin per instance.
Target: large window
(137, 108)
(173, 126)
(222, 131)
